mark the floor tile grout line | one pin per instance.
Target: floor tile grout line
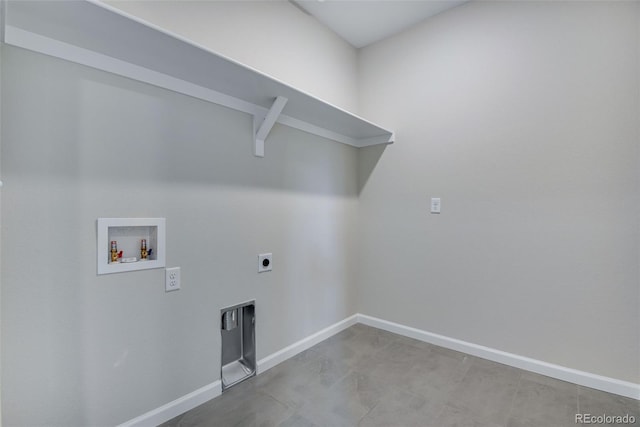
(578, 399)
(368, 412)
(513, 399)
(266, 392)
(456, 384)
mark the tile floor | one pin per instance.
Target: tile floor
(368, 377)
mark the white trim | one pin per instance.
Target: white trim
(304, 344)
(179, 406)
(377, 140)
(38, 43)
(45, 45)
(189, 401)
(208, 392)
(120, 12)
(317, 130)
(587, 379)
(267, 124)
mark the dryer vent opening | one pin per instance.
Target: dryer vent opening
(237, 327)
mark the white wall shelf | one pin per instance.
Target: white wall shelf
(128, 233)
(99, 36)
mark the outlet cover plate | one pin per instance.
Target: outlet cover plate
(435, 205)
(172, 279)
(265, 259)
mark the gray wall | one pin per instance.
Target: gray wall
(523, 118)
(78, 144)
(1, 48)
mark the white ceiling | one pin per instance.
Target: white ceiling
(362, 22)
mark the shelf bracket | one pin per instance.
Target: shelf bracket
(261, 130)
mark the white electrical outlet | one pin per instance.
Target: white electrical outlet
(265, 262)
(172, 279)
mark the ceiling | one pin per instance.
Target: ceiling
(362, 22)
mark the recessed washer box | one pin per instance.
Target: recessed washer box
(128, 234)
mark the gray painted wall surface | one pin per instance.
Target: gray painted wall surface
(78, 144)
(1, 48)
(523, 118)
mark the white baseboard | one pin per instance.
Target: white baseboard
(198, 397)
(305, 343)
(173, 409)
(208, 392)
(587, 379)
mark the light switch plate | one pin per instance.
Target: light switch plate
(172, 279)
(435, 205)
